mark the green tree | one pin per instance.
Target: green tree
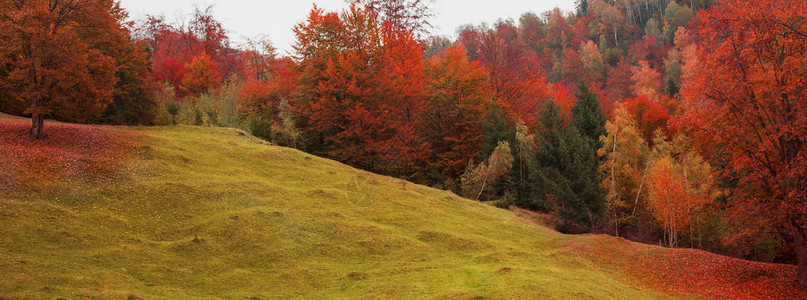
(564, 175)
(588, 116)
(496, 129)
(675, 16)
(134, 102)
(524, 148)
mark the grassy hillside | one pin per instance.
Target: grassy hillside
(200, 212)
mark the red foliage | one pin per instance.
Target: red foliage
(649, 115)
(618, 85)
(170, 70)
(51, 63)
(202, 75)
(174, 47)
(171, 50)
(68, 152)
(648, 49)
(573, 69)
(709, 275)
(749, 100)
(459, 92)
(254, 100)
(515, 71)
(563, 98)
(691, 273)
(403, 74)
(259, 99)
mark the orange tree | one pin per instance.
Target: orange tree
(202, 75)
(56, 59)
(749, 100)
(458, 93)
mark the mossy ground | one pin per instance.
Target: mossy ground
(201, 212)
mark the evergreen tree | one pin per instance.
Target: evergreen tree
(524, 153)
(588, 116)
(589, 121)
(496, 129)
(564, 174)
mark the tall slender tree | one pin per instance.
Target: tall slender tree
(588, 116)
(458, 93)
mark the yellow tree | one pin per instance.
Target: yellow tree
(624, 154)
(476, 180)
(680, 184)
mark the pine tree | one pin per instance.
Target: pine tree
(589, 125)
(588, 116)
(496, 129)
(564, 173)
(524, 154)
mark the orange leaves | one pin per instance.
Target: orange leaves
(53, 64)
(361, 88)
(748, 100)
(254, 99)
(458, 92)
(669, 200)
(260, 97)
(646, 81)
(68, 152)
(701, 274)
(202, 75)
(690, 273)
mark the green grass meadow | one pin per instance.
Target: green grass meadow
(216, 213)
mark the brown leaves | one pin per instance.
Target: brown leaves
(67, 152)
(691, 273)
(713, 276)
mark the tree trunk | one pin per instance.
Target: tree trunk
(639, 192)
(37, 124)
(37, 118)
(616, 39)
(801, 253)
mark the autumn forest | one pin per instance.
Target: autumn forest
(674, 123)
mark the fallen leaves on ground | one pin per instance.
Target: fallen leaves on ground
(690, 272)
(68, 152)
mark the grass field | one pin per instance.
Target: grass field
(215, 213)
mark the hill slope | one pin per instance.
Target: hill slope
(200, 212)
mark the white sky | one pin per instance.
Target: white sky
(275, 18)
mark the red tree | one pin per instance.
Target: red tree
(649, 115)
(403, 72)
(515, 71)
(749, 98)
(201, 75)
(458, 92)
(175, 46)
(56, 58)
(343, 87)
(618, 85)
